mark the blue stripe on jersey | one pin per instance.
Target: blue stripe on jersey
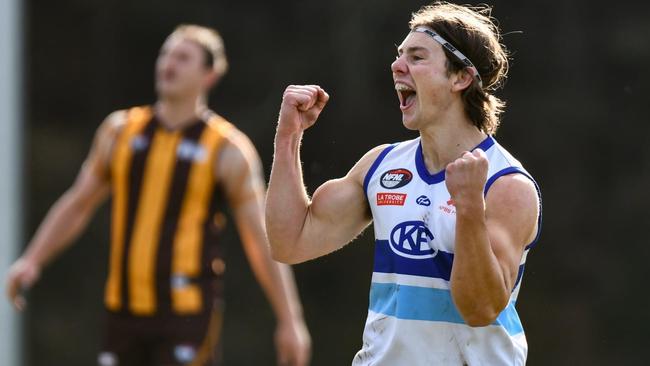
(437, 267)
(517, 170)
(440, 176)
(375, 165)
(430, 304)
(388, 262)
(520, 274)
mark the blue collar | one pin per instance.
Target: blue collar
(440, 176)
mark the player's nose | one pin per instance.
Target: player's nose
(399, 66)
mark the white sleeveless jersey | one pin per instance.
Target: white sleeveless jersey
(412, 320)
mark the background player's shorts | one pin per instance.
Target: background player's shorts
(169, 340)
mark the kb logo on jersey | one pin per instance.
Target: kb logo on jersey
(412, 239)
(396, 178)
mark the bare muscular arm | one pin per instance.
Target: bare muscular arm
(301, 228)
(69, 215)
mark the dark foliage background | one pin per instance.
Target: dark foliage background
(577, 96)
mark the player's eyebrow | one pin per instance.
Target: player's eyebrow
(410, 49)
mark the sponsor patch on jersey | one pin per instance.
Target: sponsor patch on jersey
(391, 199)
(190, 151)
(412, 239)
(107, 359)
(184, 353)
(423, 201)
(449, 207)
(179, 281)
(139, 143)
(396, 178)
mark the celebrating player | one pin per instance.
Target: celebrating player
(167, 168)
(454, 213)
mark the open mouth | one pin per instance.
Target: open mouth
(406, 95)
(168, 75)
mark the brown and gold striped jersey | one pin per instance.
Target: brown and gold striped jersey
(165, 218)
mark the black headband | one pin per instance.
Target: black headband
(449, 47)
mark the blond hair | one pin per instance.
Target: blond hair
(209, 40)
(473, 31)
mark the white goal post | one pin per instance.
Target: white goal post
(10, 169)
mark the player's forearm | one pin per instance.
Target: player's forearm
(287, 202)
(293, 309)
(63, 223)
(282, 294)
(276, 280)
(477, 281)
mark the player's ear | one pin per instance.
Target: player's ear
(211, 79)
(461, 80)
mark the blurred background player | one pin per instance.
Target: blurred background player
(454, 213)
(168, 169)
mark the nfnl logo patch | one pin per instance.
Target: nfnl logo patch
(391, 199)
(396, 178)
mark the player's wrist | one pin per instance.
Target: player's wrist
(286, 131)
(31, 260)
(291, 321)
(468, 204)
(287, 140)
(290, 316)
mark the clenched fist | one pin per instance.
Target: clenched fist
(301, 106)
(22, 275)
(466, 177)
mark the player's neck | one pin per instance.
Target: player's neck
(177, 114)
(444, 142)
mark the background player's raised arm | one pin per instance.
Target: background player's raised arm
(240, 172)
(301, 228)
(69, 215)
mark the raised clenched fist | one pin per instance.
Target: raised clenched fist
(301, 106)
(466, 176)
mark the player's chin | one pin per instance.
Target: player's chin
(410, 122)
(167, 91)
